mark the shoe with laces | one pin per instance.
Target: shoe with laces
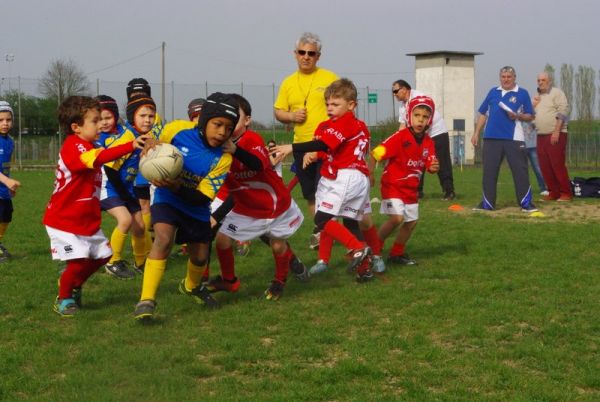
(218, 284)
(365, 276)
(144, 309)
(315, 238)
(377, 264)
(363, 271)
(403, 259)
(482, 207)
(530, 208)
(66, 308)
(4, 254)
(119, 270)
(320, 267)
(299, 269)
(274, 291)
(139, 269)
(449, 196)
(357, 257)
(200, 294)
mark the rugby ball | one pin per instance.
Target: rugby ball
(164, 161)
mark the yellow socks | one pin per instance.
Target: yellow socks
(147, 218)
(139, 249)
(194, 275)
(153, 274)
(117, 242)
(3, 227)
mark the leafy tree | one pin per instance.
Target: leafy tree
(549, 69)
(585, 92)
(38, 115)
(62, 79)
(566, 83)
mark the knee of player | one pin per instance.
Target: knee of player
(410, 225)
(278, 246)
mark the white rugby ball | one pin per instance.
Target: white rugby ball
(164, 161)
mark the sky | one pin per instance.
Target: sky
(251, 41)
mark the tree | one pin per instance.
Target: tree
(585, 92)
(566, 83)
(63, 79)
(549, 69)
(38, 115)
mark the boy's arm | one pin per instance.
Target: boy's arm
(207, 188)
(251, 161)
(10, 183)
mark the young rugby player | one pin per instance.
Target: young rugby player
(8, 186)
(343, 190)
(73, 215)
(181, 207)
(119, 198)
(262, 205)
(407, 153)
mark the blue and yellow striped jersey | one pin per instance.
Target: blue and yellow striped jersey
(204, 168)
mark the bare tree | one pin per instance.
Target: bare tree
(566, 83)
(63, 79)
(585, 92)
(549, 69)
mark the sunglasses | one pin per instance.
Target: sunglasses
(310, 53)
(395, 91)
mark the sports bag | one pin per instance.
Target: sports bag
(583, 187)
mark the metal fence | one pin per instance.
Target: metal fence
(375, 106)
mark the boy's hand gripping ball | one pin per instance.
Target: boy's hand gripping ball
(162, 162)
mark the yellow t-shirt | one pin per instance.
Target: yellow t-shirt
(299, 91)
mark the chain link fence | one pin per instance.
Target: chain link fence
(38, 140)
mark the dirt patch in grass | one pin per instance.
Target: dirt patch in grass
(575, 212)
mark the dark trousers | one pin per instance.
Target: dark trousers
(515, 152)
(442, 152)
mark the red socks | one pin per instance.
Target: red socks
(397, 249)
(77, 272)
(340, 233)
(226, 261)
(282, 264)
(325, 246)
(373, 240)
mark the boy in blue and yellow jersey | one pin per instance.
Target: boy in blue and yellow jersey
(139, 86)
(119, 197)
(181, 207)
(8, 186)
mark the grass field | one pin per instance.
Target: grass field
(502, 306)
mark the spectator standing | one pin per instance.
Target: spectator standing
(301, 102)
(503, 109)
(551, 117)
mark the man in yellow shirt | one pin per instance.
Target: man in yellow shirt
(301, 102)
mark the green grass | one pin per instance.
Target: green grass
(501, 307)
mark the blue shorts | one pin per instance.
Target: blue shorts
(132, 206)
(189, 229)
(6, 210)
(142, 192)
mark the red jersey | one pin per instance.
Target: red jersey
(348, 141)
(406, 162)
(74, 206)
(258, 194)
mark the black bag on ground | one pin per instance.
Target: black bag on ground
(583, 187)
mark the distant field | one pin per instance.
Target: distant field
(502, 306)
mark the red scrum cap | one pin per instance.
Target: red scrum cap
(425, 101)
